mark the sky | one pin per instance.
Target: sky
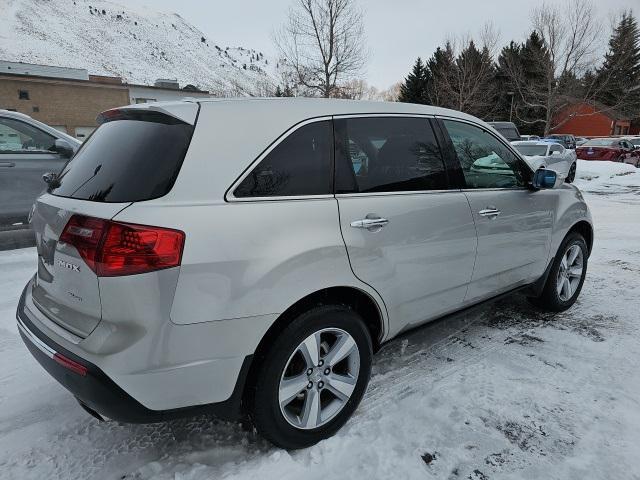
(397, 32)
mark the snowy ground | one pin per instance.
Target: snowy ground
(503, 392)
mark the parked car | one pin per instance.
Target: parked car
(568, 141)
(257, 270)
(549, 155)
(613, 149)
(28, 149)
(529, 137)
(507, 129)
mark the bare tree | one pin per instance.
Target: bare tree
(322, 41)
(571, 40)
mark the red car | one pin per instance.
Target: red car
(612, 149)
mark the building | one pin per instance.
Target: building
(70, 99)
(20, 68)
(163, 90)
(591, 120)
(67, 99)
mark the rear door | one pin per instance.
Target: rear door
(133, 156)
(407, 235)
(25, 155)
(513, 223)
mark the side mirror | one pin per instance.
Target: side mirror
(544, 178)
(63, 148)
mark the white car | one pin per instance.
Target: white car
(552, 155)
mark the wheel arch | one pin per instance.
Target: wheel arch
(355, 298)
(585, 229)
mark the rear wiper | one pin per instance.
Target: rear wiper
(51, 179)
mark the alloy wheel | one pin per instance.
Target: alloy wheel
(319, 378)
(570, 272)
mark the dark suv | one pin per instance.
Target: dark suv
(507, 129)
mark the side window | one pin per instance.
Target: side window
(485, 161)
(17, 136)
(387, 154)
(299, 165)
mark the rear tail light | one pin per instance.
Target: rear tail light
(113, 249)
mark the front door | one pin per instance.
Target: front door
(25, 155)
(406, 234)
(513, 222)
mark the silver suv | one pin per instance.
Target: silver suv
(250, 256)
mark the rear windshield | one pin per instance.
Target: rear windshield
(131, 157)
(599, 142)
(531, 150)
(509, 133)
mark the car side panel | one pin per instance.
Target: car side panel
(244, 259)
(21, 182)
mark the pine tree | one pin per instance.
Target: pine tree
(415, 88)
(442, 70)
(620, 71)
(278, 91)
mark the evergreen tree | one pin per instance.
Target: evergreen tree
(521, 81)
(620, 71)
(415, 88)
(278, 91)
(442, 70)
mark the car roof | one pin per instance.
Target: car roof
(48, 128)
(295, 109)
(11, 113)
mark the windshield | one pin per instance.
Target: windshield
(531, 150)
(132, 158)
(600, 142)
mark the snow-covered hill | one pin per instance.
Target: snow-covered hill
(138, 44)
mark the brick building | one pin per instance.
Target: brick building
(591, 120)
(69, 99)
(68, 104)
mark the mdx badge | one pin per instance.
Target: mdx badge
(68, 266)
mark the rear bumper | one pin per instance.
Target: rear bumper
(101, 394)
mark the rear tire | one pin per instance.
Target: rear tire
(313, 377)
(566, 277)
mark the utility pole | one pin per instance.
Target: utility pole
(511, 94)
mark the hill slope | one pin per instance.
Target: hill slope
(140, 45)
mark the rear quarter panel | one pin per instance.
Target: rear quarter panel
(245, 259)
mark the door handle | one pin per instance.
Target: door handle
(371, 223)
(7, 164)
(491, 212)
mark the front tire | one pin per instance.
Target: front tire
(313, 377)
(571, 176)
(566, 277)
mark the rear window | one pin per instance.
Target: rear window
(532, 150)
(131, 157)
(599, 142)
(509, 133)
